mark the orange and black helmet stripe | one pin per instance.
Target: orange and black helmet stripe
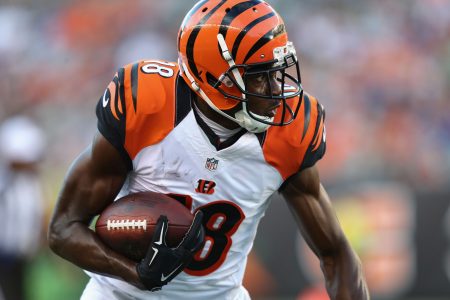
(192, 12)
(231, 14)
(270, 35)
(193, 37)
(244, 31)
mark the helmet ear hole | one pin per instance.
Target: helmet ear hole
(227, 81)
(214, 82)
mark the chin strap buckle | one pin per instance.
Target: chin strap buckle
(195, 86)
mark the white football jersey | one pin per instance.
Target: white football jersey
(146, 114)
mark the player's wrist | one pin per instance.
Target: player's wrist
(136, 279)
(130, 274)
(148, 279)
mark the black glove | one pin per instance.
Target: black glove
(161, 263)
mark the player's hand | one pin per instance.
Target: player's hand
(162, 263)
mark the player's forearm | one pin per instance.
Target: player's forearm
(76, 243)
(91, 184)
(344, 278)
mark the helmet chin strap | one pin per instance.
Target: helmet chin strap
(197, 89)
(242, 117)
(249, 123)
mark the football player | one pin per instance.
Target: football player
(223, 128)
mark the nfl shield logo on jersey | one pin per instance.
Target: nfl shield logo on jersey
(211, 164)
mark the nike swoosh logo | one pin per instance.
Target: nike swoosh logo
(164, 278)
(104, 100)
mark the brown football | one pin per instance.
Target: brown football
(127, 225)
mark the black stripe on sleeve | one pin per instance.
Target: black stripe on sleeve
(307, 115)
(312, 156)
(121, 81)
(320, 116)
(134, 84)
(111, 128)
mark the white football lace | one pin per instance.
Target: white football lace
(126, 224)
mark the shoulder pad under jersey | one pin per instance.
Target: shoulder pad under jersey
(137, 108)
(299, 145)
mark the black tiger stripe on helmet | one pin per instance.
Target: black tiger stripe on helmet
(270, 35)
(230, 15)
(193, 37)
(240, 37)
(235, 11)
(193, 10)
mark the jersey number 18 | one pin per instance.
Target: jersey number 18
(221, 219)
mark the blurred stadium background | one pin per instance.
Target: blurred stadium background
(380, 68)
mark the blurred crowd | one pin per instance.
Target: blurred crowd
(380, 68)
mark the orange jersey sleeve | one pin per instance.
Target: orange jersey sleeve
(138, 108)
(299, 145)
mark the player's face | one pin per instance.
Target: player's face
(264, 85)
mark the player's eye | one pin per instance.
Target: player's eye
(274, 75)
(262, 77)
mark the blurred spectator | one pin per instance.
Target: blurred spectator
(21, 202)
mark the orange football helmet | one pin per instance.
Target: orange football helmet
(223, 42)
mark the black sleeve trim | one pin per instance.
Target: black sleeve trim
(121, 85)
(307, 115)
(111, 126)
(261, 137)
(134, 84)
(113, 141)
(312, 156)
